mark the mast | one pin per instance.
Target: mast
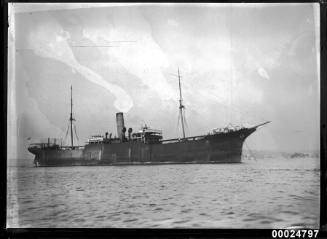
(181, 106)
(71, 117)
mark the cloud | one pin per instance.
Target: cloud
(141, 57)
(51, 41)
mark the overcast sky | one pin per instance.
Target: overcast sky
(240, 64)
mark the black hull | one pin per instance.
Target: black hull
(218, 148)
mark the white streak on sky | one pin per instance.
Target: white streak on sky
(263, 73)
(49, 40)
(142, 57)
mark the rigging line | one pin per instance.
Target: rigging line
(61, 135)
(184, 116)
(178, 119)
(96, 46)
(66, 132)
(75, 132)
(143, 123)
(109, 43)
(185, 120)
(251, 153)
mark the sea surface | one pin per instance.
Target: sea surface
(261, 193)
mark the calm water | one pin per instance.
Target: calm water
(266, 193)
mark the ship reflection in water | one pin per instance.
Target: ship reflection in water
(266, 193)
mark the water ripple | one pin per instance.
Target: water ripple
(274, 193)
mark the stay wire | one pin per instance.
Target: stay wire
(251, 153)
(76, 132)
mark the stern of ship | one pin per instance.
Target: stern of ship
(35, 150)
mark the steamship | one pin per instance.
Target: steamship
(146, 146)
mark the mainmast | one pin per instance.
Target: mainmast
(181, 106)
(71, 117)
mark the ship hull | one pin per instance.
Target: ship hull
(219, 148)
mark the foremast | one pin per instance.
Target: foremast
(181, 106)
(71, 119)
